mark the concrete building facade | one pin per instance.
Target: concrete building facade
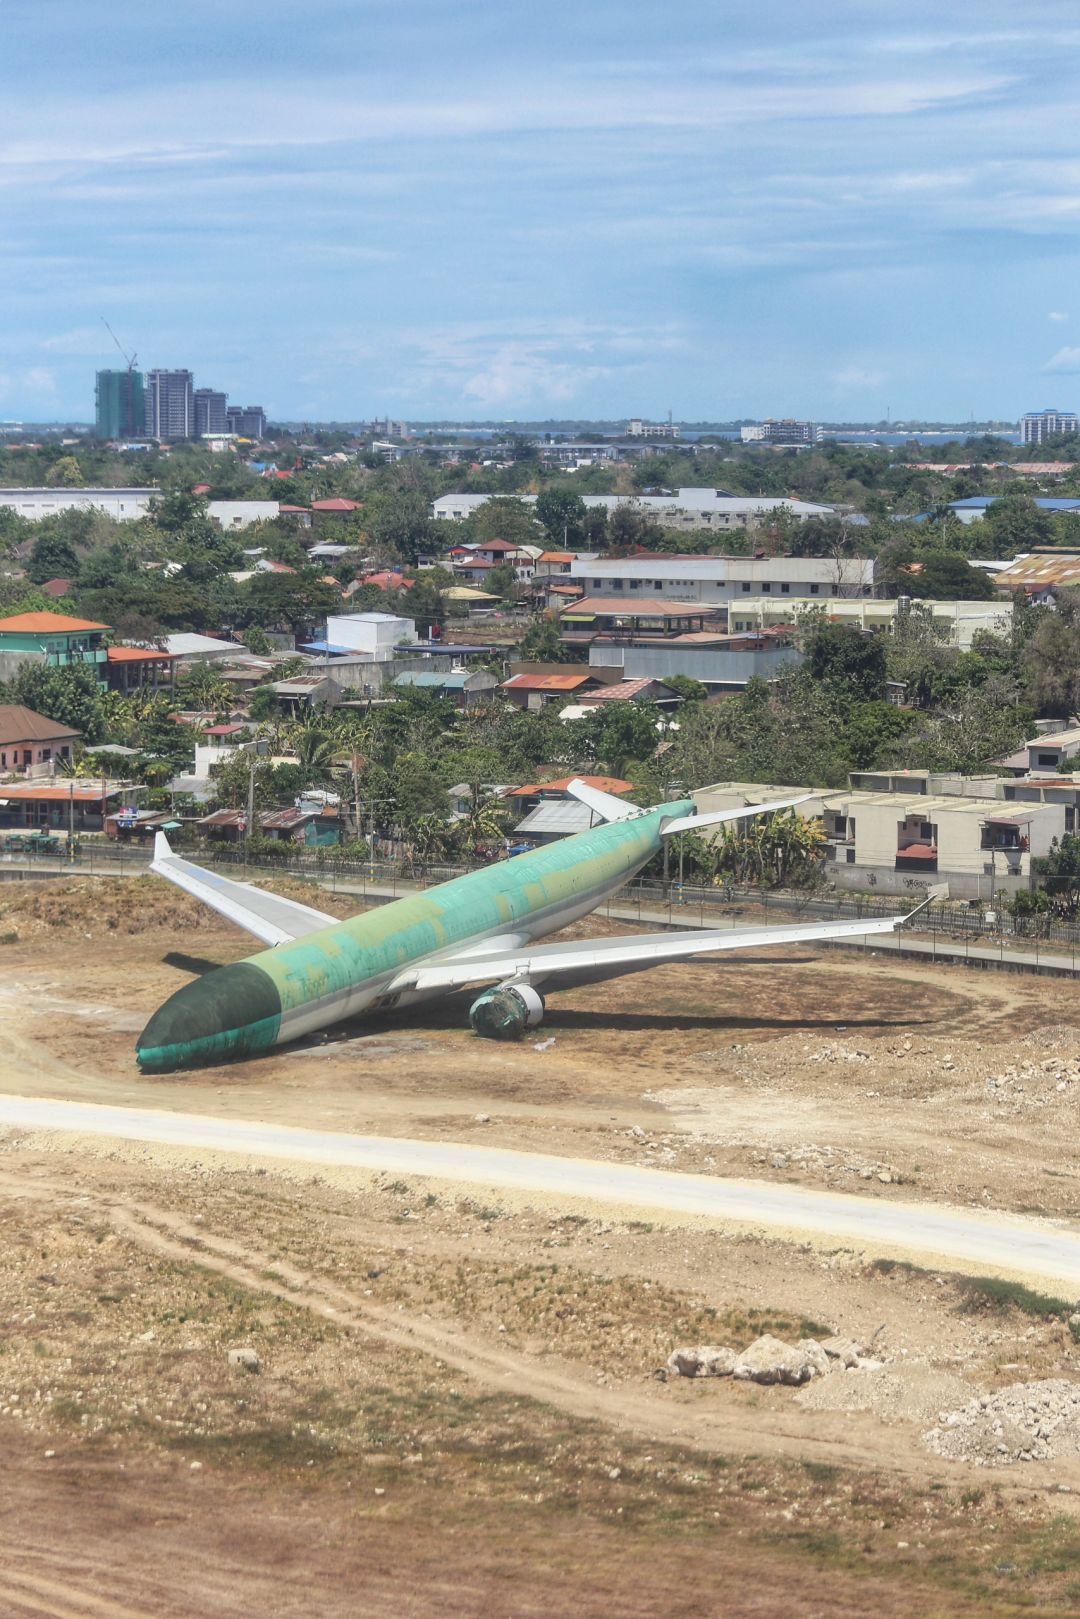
(1038, 425)
(170, 405)
(211, 412)
(718, 580)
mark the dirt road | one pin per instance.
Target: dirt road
(967, 1240)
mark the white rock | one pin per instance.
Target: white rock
(706, 1360)
(769, 1360)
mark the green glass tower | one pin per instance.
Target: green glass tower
(120, 407)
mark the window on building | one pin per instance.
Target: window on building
(3, 760)
(46, 755)
(814, 589)
(635, 584)
(836, 590)
(850, 856)
(746, 589)
(1047, 759)
(785, 590)
(28, 756)
(658, 584)
(765, 589)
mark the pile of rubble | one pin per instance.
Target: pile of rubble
(1026, 1422)
(770, 1360)
(836, 1051)
(1034, 1084)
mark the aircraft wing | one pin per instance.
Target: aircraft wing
(585, 961)
(269, 917)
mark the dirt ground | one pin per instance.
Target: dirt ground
(458, 1407)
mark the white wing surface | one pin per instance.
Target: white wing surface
(269, 917)
(694, 823)
(584, 961)
(606, 805)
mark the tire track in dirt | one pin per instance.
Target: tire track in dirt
(22, 1592)
(647, 1410)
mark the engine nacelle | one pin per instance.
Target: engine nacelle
(506, 1012)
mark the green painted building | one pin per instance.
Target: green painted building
(121, 407)
(54, 639)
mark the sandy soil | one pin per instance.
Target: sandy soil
(468, 1392)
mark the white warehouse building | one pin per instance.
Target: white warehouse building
(125, 505)
(725, 579)
(690, 508)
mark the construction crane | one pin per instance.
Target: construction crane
(132, 359)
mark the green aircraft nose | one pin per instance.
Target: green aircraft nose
(231, 1012)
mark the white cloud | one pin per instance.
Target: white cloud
(1057, 314)
(1066, 362)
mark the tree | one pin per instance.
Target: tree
(946, 576)
(689, 689)
(502, 581)
(504, 518)
(52, 557)
(1059, 874)
(66, 473)
(1015, 523)
(624, 731)
(68, 696)
(849, 661)
(541, 644)
(562, 512)
(1051, 659)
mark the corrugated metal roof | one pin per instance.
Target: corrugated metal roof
(545, 682)
(637, 607)
(1040, 569)
(563, 815)
(621, 691)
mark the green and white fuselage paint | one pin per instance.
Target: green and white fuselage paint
(346, 969)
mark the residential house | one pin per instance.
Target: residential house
(52, 639)
(138, 668)
(31, 744)
(374, 636)
(466, 687)
(550, 812)
(533, 691)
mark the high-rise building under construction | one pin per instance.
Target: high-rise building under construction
(120, 408)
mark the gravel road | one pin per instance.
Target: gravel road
(967, 1240)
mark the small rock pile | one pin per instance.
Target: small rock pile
(1026, 1422)
(1034, 1084)
(836, 1051)
(769, 1360)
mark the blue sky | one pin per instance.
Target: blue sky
(340, 208)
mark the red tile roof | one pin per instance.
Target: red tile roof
(137, 654)
(338, 504)
(56, 587)
(604, 784)
(50, 623)
(619, 691)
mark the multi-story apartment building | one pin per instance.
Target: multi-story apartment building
(1039, 425)
(120, 410)
(211, 412)
(170, 405)
(247, 421)
(636, 428)
(786, 431)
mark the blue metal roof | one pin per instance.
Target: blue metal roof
(1048, 503)
(326, 646)
(431, 679)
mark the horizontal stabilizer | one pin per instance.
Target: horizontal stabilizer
(269, 917)
(694, 823)
(606, 805)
